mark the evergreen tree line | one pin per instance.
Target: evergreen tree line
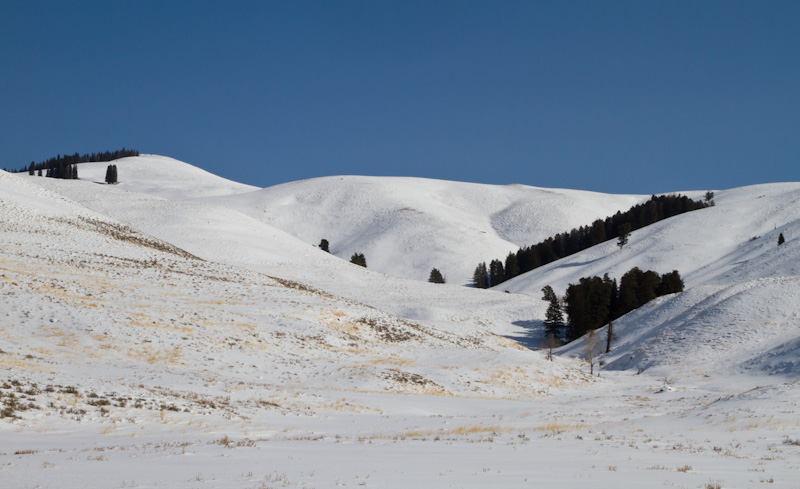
(68, 172)
(56, 166)
(595, 301)
(568, 243)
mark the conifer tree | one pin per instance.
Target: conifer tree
(624, 234)
(780, 239)
(496, 273)
(480, 277)
(111, 174)
(323, 245)
(512, 266)
(436, 277)
(554, 317)
(359, 259)
(549, 294)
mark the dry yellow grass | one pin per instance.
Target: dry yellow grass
(557, 426)
(153, 355)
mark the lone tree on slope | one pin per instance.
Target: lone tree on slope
(554, 317)
(359, 259)
(780, 239)
(624, 234)
(111, 174)
(323, 245)
(436, 277)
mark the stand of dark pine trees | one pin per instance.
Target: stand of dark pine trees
(595, 301)
(568, 243)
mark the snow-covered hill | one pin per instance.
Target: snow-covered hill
(733, 241)
(181, 329)
(741, 307)
(407, 226)
(164, 177)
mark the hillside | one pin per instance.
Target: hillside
(164, 177)
(166, 331)
(734, 240)
(407, 226)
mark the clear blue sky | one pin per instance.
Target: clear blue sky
(625, 97)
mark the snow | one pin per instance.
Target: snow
(181, 330)
(407, 226)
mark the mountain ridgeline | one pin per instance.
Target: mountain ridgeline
(567, 243)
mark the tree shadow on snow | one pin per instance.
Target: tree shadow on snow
(531, 337)
(577, 264)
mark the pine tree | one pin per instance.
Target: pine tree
(780, 239)
(627, 290)
(671, 283)
(31, 168)
(359, 259)
(554, 318)
(496, 273)
(323, 245)
(480, 277)
(436, 277)
(646, 291)
(549, 294)
(512, 266)
(624, 234)
(111, 174)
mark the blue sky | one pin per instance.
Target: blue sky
(623, 97)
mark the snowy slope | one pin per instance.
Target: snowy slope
(407, 226)
(163, 177)
(741, 308)
(404, 226)
(222, 234)
(712, 245)
(710, 330)
(269, 363)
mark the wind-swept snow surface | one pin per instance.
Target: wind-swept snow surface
(173, 336)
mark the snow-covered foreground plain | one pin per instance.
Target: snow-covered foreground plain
(171, 336)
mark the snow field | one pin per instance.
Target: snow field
(169, 334)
